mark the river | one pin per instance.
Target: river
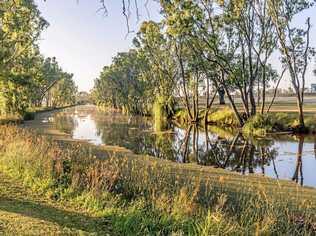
(281, 157)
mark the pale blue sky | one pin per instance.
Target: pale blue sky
(84, 40)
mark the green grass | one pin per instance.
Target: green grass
(223, 117)
(139, 195)
(261, 125)
(29, 114)
(258, 125)
(23, 212)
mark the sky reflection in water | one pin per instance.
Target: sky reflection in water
(283, 157)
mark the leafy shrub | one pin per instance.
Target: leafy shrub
(258, 125)
(261, 124)
(224, 117)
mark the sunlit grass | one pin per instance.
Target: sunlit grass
(154, 196)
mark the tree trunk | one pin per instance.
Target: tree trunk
(221, 95)
(299, 170)
(208, 107)
(263, 91)
(232, 103)
(251, 80)
(301, 115)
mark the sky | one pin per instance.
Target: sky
(84, 40)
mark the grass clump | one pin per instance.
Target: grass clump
(160, 116)
(259, 125)
(137, 195)
(10, 119)
(263, 124)
(223, 117)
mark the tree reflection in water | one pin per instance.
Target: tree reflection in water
(237, 153)
(211, 146)
(315, 146)
(298, 173)
(65, 122)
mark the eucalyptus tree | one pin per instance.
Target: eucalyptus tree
(161, 70)
(200, 33)
(51, 73)
(294, 45)
(240, 39)
(50, 83)
(123, 86)
(179, 18)
(64, 91)
(256, 35)
(20, 28)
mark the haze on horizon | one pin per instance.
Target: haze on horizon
(84, 40)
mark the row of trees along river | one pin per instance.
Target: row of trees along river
(27, 78)
(225, 46)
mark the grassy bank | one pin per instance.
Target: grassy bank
(134, 194)
(259, 125)
(29, 114)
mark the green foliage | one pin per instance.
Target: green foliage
(20, 29)
(261, 125)
(139, 195)
(258, 125)
(182, 116)
(139, 78)
(122, 86)
(25, 76)
(223, 117)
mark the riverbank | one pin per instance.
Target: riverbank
(156, 196)
(259, 125)
(29, 114)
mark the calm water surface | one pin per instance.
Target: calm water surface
(282, 157)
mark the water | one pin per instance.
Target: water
(281, 157)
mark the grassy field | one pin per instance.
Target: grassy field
(281, 104)
(106, 190)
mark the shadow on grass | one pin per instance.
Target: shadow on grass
(63, 218)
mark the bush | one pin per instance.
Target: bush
(258, 125)
(262, 124)
(224, 117)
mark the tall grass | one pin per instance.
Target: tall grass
(223, 117)
(262, 124)
(157, 197)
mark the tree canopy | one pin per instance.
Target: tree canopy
(25, 75)
(202, 47)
